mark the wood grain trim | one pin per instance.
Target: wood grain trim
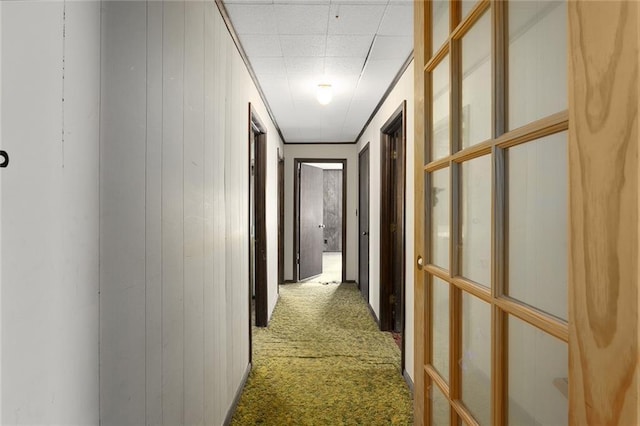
(545, 322)
(463, 413)
(437, 165)
(604, 373)
(439, 56)
(547, 126)
(437, 379)
(438, 272)
(472, 152)
(470, 287)
(473, 16)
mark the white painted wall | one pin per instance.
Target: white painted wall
(49, 99)
(174, 214)
(403, 91)
(322, 151)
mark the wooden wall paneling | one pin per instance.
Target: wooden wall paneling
(153, 224)
(603, 243)
(421, 13)
(193, 213)
(173, 214)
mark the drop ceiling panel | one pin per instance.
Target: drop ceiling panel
(303, 45)
(301, 18)
(355, 19)
(261, 46)
(294, 45)
(253, 18)
(391, 47)
(395, 20)
(349, 45)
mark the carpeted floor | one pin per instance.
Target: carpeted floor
(323, 361)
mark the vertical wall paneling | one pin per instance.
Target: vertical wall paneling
(193, 213)
(603, 165)
(153, 210)
(122, 213)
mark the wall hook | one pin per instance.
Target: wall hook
(5, 157)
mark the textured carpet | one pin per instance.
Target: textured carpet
(323, 361)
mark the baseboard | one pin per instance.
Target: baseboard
(373, 314)
(408, 380)
(289, 282)
(236, 400)
(351, 282)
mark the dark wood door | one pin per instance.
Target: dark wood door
(397, 263)
(363, 223)
(280, 220)
(311, 226)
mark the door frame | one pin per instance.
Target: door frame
(398, 120)
(296, 211)
(280, 218)
(360, 154)
(257, 127)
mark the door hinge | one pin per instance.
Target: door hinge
(392, 299)
(393, 227)
(394, 155)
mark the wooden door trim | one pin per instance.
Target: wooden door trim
(296, 212)
(261, 302)
(281, 183)
(397, 120)
(360, 154)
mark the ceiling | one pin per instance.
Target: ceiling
(357, 46)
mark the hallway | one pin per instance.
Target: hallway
(323, 360)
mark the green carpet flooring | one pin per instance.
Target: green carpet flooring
(323, 361)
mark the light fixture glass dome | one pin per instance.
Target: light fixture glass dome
(324, 94)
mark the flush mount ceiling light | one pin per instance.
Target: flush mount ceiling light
(324, 94)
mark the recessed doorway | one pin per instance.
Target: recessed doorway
(320, 225)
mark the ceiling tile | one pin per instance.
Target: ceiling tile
(343, 66)
(301, 19)
(303, 45)
(297, 65)
(391, 47)
(355, 19)
(268, 66)
(397, 20)
(261, 46)
(253, 18)
(248, 2)
(349, 45)
(360, 1)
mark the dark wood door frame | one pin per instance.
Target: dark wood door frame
(280, 219)
(364, 151)
(392, 238)
(296, 211)
(258, 130)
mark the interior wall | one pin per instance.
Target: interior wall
(323, 151)
(403, 91)
(332, 214)
(174, 317)
(49, 101)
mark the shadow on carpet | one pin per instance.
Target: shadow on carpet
(323, 361)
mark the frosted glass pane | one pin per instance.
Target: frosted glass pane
(440, 300)
(439, 407)
(467, 5)
(440, 34)
(476, 220)
(476, 357)
(440, 107)
(476, 83)
(440, 218)
(538, 369)
(537, 193)
(537, 60)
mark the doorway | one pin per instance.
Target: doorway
(257, 222)
(392, 225)
(320, 220)
(363, 222)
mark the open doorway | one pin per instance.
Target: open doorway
(392, 225)
(320, 220)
